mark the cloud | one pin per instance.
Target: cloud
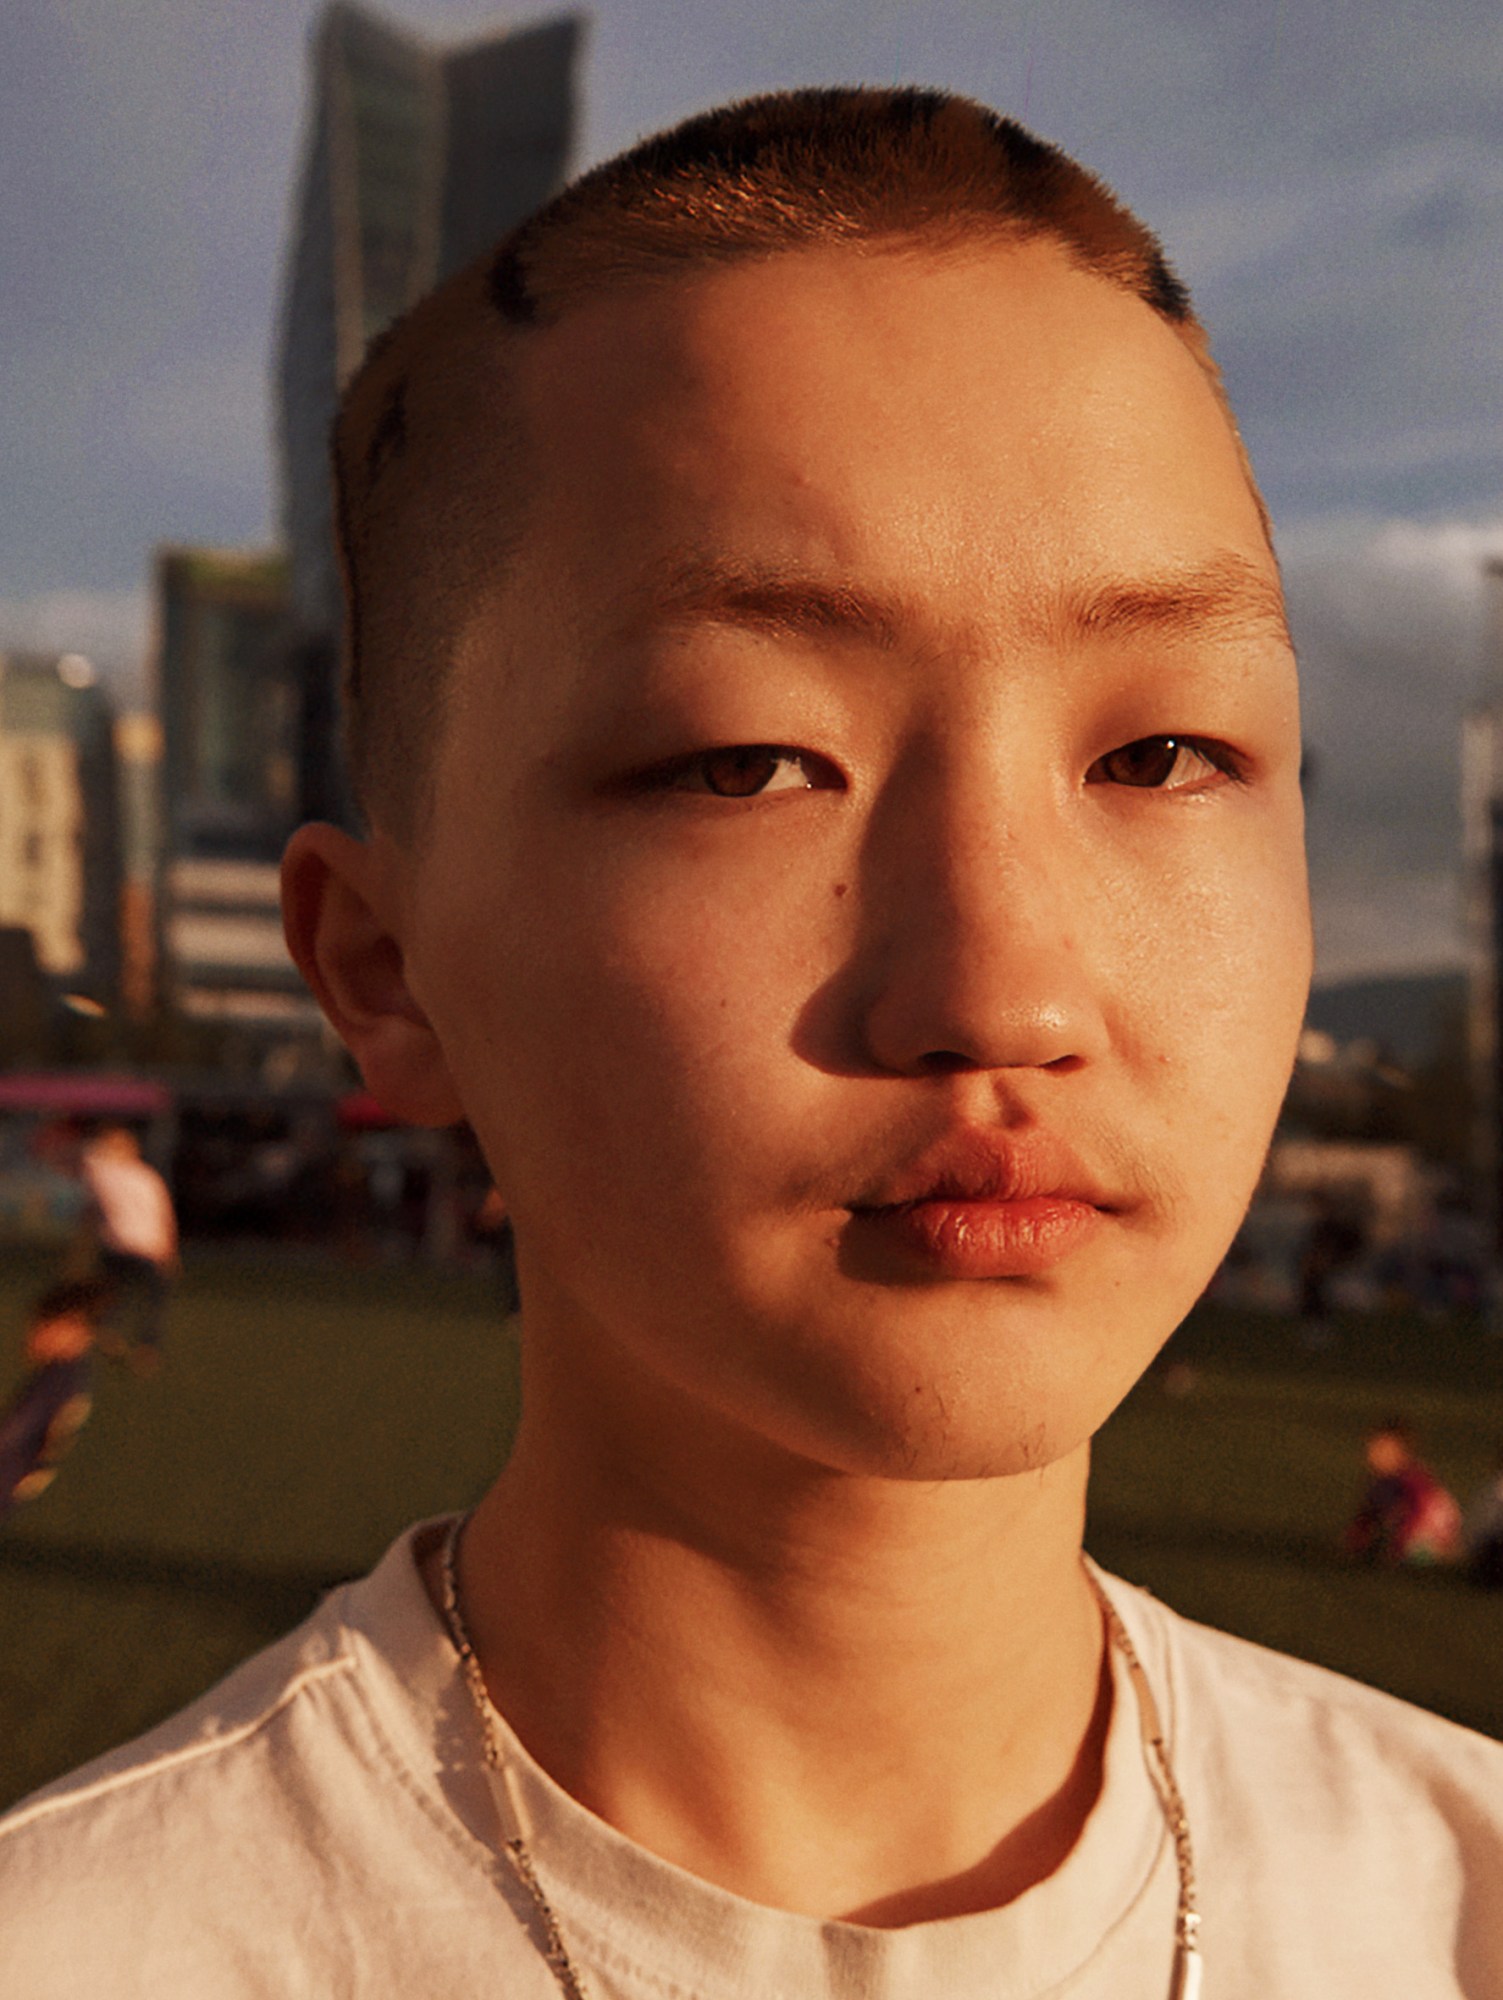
(1389, 618)
(110, 627)
(1332, 183)
(1368, 924)
(1353, 309)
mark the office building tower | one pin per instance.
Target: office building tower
(138, 760)
(417, 158)
(59, 821)
(1482, 835)
(230, 713)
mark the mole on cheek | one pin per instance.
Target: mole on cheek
(841, 887)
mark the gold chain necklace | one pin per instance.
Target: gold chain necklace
(1185, 1983)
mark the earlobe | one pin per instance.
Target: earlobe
(342, 929)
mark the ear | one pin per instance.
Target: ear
(339, 906)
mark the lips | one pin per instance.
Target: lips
(983, 1204)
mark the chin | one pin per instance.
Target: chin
(951, 1426)
(945, 1461)
(941, 1458)
(973, 1393)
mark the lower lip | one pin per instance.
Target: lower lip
(986, 1239)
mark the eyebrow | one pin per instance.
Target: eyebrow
(719, 590)
(1225, 596)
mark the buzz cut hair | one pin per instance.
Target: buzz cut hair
(431, 468)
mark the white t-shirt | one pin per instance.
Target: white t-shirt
(135, 1208)
(321, 1825)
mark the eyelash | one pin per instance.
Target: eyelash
(819, 774)
(1219, 764)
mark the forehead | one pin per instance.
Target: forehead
(971, 436)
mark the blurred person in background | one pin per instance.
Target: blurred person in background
(1482, 1529)
(494, 1225)
(1334, 1242)
(133, 1227)
(55, 1397)
(1405, 1515)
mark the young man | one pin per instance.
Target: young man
(821, 699)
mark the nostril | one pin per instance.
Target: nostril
(945, 1062)
(1064, 1065)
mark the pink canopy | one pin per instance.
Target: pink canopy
(81, 1093)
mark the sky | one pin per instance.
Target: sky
(1327, 175)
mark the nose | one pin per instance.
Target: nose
(978, 921)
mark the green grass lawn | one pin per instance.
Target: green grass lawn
(1229, 1502)
(304, 1415)
(301, 1418)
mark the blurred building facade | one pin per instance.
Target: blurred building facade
(230, 751)
(138, 760)
(60, 849)
(416, 159)
(1482, 835)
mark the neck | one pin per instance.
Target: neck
(854, 1697)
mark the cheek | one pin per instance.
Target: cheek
(620, 1020)
(1220, 977)
(1218, 946)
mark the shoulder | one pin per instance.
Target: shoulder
(1344, 1840)
(182, 1862)
(226, 1738)
(1269, 1736)
(1326, 1710)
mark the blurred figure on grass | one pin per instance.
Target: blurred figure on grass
(1482, 1529)
(55, 1397)
(492, 1220)
(133, 1228)
(1406, 1515)
(1336, 1240)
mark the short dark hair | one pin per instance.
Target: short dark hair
(795, 169)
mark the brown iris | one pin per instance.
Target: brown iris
(1150, 761)
(742, 772)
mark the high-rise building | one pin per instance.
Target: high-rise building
(1482, 833)
(230, 747)
(59, 820)
(138, 757)
(417, 158)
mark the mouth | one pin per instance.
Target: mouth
(984, 1204)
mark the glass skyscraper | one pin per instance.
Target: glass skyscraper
(231, 749)
(417, 158)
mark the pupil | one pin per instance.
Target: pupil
(1148, 762)
(739, 774)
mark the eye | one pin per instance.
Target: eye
(747, 770)
(1164, 764)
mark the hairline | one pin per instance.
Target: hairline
(506, 336)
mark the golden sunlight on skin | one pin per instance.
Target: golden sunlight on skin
(873, 1022)
(693, 1030)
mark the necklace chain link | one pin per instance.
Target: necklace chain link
(1187, 1960)
(554, 1949)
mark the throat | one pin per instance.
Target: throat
(886, 1773)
